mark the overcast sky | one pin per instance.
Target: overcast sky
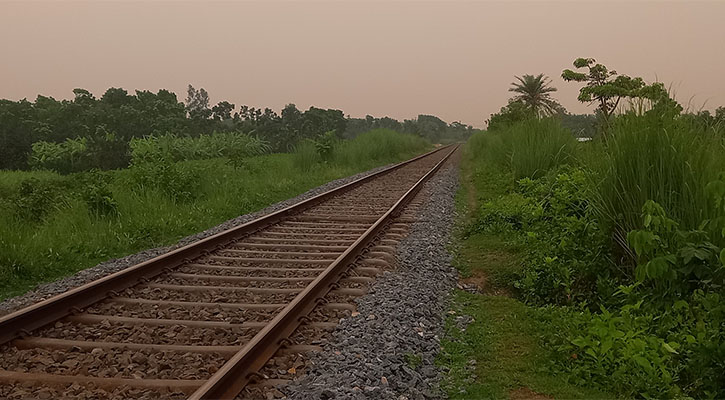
(452, 59)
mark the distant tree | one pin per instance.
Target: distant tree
(162, 112)
(705, 120)
(581, 125)
(431, 127)
(117, 97)
(18, 130)
(607, 89)
(317, 121)
(197, 103)
(292, 119)
(83, 97)
(388, 123)
(509, 114)
(222, 111)
(291, 123)
(535, 93)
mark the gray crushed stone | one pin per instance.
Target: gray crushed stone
(47, 290)
(388, 350)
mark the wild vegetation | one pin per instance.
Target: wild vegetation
(99, 133)
(611, 251)
(87, 179)
(52, 225)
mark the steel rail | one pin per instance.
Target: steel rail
(243, 367)
(23, 321)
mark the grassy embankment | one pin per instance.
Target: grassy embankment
(497, 354)
(600, 264)
(53, 225)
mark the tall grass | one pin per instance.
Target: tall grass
(305, 156)
(377, 145)
(529, 148)
(537, 146)
(647, 156)
(491, 147)
(666, 160)
(366, 149)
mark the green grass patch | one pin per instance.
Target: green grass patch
(413, 360)
(495, 354)
(490, 261)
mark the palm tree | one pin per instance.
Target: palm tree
(535, 93)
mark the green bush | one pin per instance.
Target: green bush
(179, 182)
(101, 151)
(37, 199)
(325, 145)
(64, 157)
(177, 148)
(95, 189)
(616, 351)
(551, 216)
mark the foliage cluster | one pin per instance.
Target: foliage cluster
(171, 147)
(105, 151)
(624, 247)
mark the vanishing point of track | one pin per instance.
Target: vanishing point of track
(204, 319)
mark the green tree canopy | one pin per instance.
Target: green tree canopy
(607, 88)
(509, 114)
(534, 92)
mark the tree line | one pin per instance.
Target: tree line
(106, 125)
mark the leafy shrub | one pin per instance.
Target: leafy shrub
(563, 263)
(36, 199)
(509, 212)
(667, 336)
(107, 151)
(176, 148)
(103, 151)
(95, 191)
(325, 145)
(633, 247)
(64, 157)
(177, 181)
(617, 351)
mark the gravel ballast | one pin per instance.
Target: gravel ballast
(47, 290)
(388, 350)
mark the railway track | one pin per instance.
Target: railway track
(203, 321)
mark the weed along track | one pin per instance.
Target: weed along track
(203, 321)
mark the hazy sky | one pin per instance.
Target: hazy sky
(452, 59)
